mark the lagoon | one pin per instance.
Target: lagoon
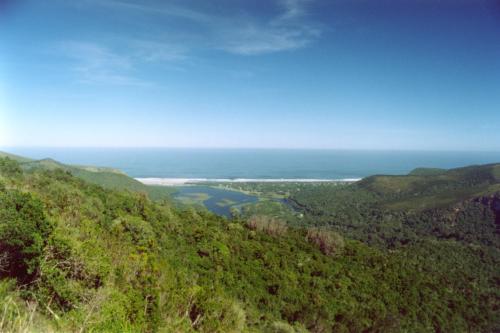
(218, 201)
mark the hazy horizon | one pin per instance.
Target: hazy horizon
(7, 148)
(263, 164)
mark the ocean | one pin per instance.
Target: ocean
(265, 164)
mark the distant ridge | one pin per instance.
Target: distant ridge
(106, 177)
(428, 188)
(17, 158)
(427, 172)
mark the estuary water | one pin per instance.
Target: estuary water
(218, 201)
(265, 164)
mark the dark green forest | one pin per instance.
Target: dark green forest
(417, 253)
(462, 205)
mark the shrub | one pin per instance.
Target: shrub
(269, 225)
(71, 269)
(328, 241)
(24, 231)
(282, 327)
(139, 231)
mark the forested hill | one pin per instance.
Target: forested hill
(79, 257)
(453, 185)
(460, 204)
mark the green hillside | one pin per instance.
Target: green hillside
(106, 177)
(427, 190)
(77, 257)
(382, 210)
(16, 158)
(427, 172)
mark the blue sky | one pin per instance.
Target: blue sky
(352, 74)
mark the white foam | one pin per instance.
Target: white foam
(184, 181)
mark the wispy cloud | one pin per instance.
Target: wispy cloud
(244, 34)
(155, 51)
(93, 63)
(294, 8)
(254, 40)
(286, 31)
(118, 60)
(160, 9)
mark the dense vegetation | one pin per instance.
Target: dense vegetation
(79, 257)
(106, 177)
(390, 211)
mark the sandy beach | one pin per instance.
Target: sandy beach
(187, 181)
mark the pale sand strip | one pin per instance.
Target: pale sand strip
(184, 181)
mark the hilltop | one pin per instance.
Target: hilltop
(429, 188)
(106, 177)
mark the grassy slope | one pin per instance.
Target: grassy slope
(17, 158)
(426, 190)
(107, 177)
(427, 172)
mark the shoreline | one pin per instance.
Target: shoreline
(199, 181)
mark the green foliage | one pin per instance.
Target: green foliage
(427, 172)
(9, 167)
(24, 231)
(105, 177)
(115, 261)
(16, 158)
(392, 211)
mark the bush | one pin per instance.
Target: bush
(269, 225)
(140, 232)
(23, 234)
(9, 167)
(329, 242)
(282, 327)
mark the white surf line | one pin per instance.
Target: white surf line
(184, 181)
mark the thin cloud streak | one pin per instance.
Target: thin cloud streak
(241, 34)
(165, 9)
(118, 61)
(98, 64)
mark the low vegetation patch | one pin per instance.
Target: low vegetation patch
(328, 241)
(269, 225)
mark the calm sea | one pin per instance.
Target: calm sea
(257, 163)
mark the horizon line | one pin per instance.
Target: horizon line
(256, 148)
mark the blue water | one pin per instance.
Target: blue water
(255, 163)
(215, 202)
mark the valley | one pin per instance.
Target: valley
(389, 253)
